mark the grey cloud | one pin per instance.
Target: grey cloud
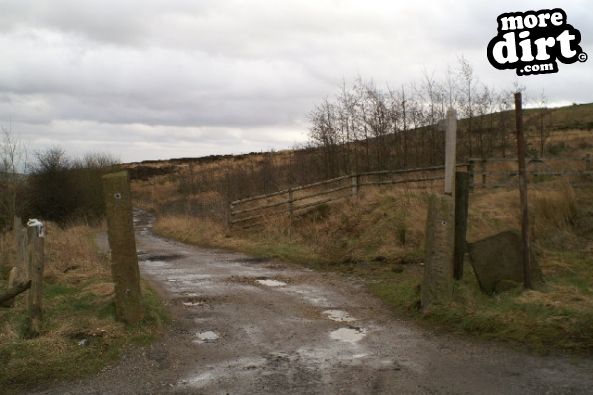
(219, 76)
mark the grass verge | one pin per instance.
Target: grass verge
(79, 334)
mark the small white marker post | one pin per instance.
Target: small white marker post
(450, 151)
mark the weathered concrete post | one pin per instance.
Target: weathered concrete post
(35, 260)
(450, 151)
(461, 212)
(437, 284)
(124, 262)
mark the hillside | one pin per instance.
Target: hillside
(204, 186)
(573, 117)
(378, 237)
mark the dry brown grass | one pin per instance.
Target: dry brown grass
(383, 221)
(355, 232)
(191, 230)
(77, 304)
(71, 256)
(149, 195)
(552, 205)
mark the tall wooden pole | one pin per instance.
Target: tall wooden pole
(521, 149)
(450, 151)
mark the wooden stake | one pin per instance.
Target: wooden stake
(521, 151)
(461, 211)
(290, 211)
(20, 238)
(354, 185)
(35, 258)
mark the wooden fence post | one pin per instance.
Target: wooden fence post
(483, 171)
(35, 260)
(521, 151)
(471, 168)
(588, 163)
(20, 238)
(229, 217)
(124, 261)
(461, 212)
(354, 185)
(290, 203)
(19, 273)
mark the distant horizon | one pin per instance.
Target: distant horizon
(148, 80)
(553, 105)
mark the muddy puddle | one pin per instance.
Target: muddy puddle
(271, 283)
(339, 315)
(348, 335)
(206, 337)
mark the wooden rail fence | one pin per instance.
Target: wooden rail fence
(483, 173)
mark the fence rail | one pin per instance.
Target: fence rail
(483, 173)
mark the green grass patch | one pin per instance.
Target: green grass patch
(556, 317)
(71, 316)
(79, 334)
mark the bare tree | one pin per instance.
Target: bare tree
(12, 165)
(378, 122)
(467, 88)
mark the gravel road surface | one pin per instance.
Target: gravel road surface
(251, 326)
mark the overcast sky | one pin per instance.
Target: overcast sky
(160, 79)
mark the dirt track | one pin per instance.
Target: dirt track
(246, 326)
